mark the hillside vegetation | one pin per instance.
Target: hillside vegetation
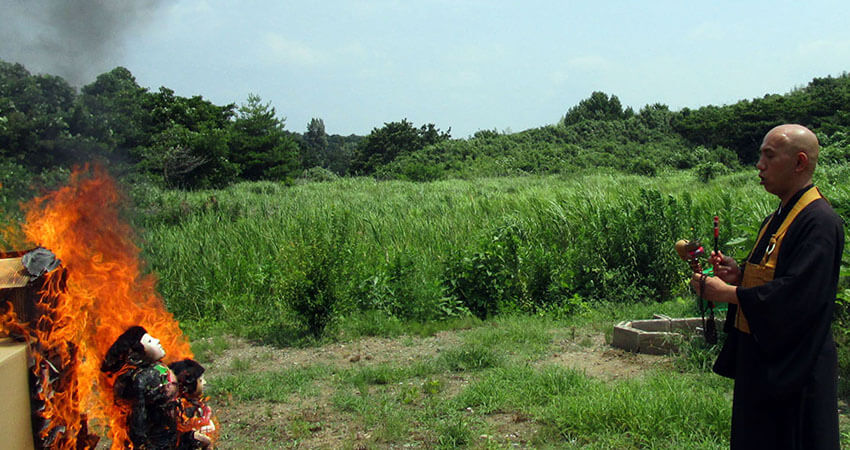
(46, 126)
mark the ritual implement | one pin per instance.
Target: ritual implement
(716, 234)
(690, 251)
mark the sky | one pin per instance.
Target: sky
(464, 65)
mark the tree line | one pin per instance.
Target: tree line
(46, 126)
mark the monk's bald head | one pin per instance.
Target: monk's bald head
(793, 139)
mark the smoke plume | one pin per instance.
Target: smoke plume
(75, 39)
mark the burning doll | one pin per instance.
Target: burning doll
(193, 412)
(147, 386)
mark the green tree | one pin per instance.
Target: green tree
(194, 113)
(259, 144)
(315, 148)
(394, 139)
(183, 141)
(112, 111)
(341, 150)
(597, 107)
(822, 106)
(35, 111)
(184, 158)
(656, 117)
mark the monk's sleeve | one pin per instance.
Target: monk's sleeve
(799, 300)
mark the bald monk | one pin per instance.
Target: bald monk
(779, 347)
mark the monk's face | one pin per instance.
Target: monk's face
(777, 163)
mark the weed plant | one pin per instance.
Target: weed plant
(470, 357)
(655, 412)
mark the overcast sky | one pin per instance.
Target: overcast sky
(468, 65)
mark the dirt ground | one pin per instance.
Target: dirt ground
(327, 429)
(589, 353)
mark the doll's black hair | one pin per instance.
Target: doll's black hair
(187, 371)
(127, 349)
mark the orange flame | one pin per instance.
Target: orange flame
(104, 294)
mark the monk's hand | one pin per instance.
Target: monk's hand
(725, 268)
(714, 289)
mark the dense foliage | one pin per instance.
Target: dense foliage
(269, 260)
(46, 126)
(392, 140)
(823, 105)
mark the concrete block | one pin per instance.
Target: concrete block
(625, 337)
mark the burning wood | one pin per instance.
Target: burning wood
(29, 312)
(79, 308)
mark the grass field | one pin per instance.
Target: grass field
(284, 264)
(343, 314)
(510, 382)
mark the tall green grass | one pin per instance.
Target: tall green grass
(687, 411)
(281, 263)
(656, 412)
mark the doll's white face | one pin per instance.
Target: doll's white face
(202, 384)
(153, 349)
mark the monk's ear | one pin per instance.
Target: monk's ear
(802, 161)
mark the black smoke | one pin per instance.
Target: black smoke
(75, 39)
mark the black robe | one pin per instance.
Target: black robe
(152, 422)
(785, 370)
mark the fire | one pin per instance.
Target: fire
(99, 293)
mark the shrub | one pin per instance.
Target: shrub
(708, 171)
(418, 171)
(312, 291)
(623, 250)
(399, 290)
(727, 157)
(486, 279)
(837, 152)
(644, 167)
(318, 174)
(511, 269)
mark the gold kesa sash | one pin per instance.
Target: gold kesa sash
(761, 273)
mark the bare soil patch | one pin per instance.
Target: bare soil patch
(595, 357)
(366, 351)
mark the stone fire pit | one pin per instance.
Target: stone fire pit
(657, 336)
